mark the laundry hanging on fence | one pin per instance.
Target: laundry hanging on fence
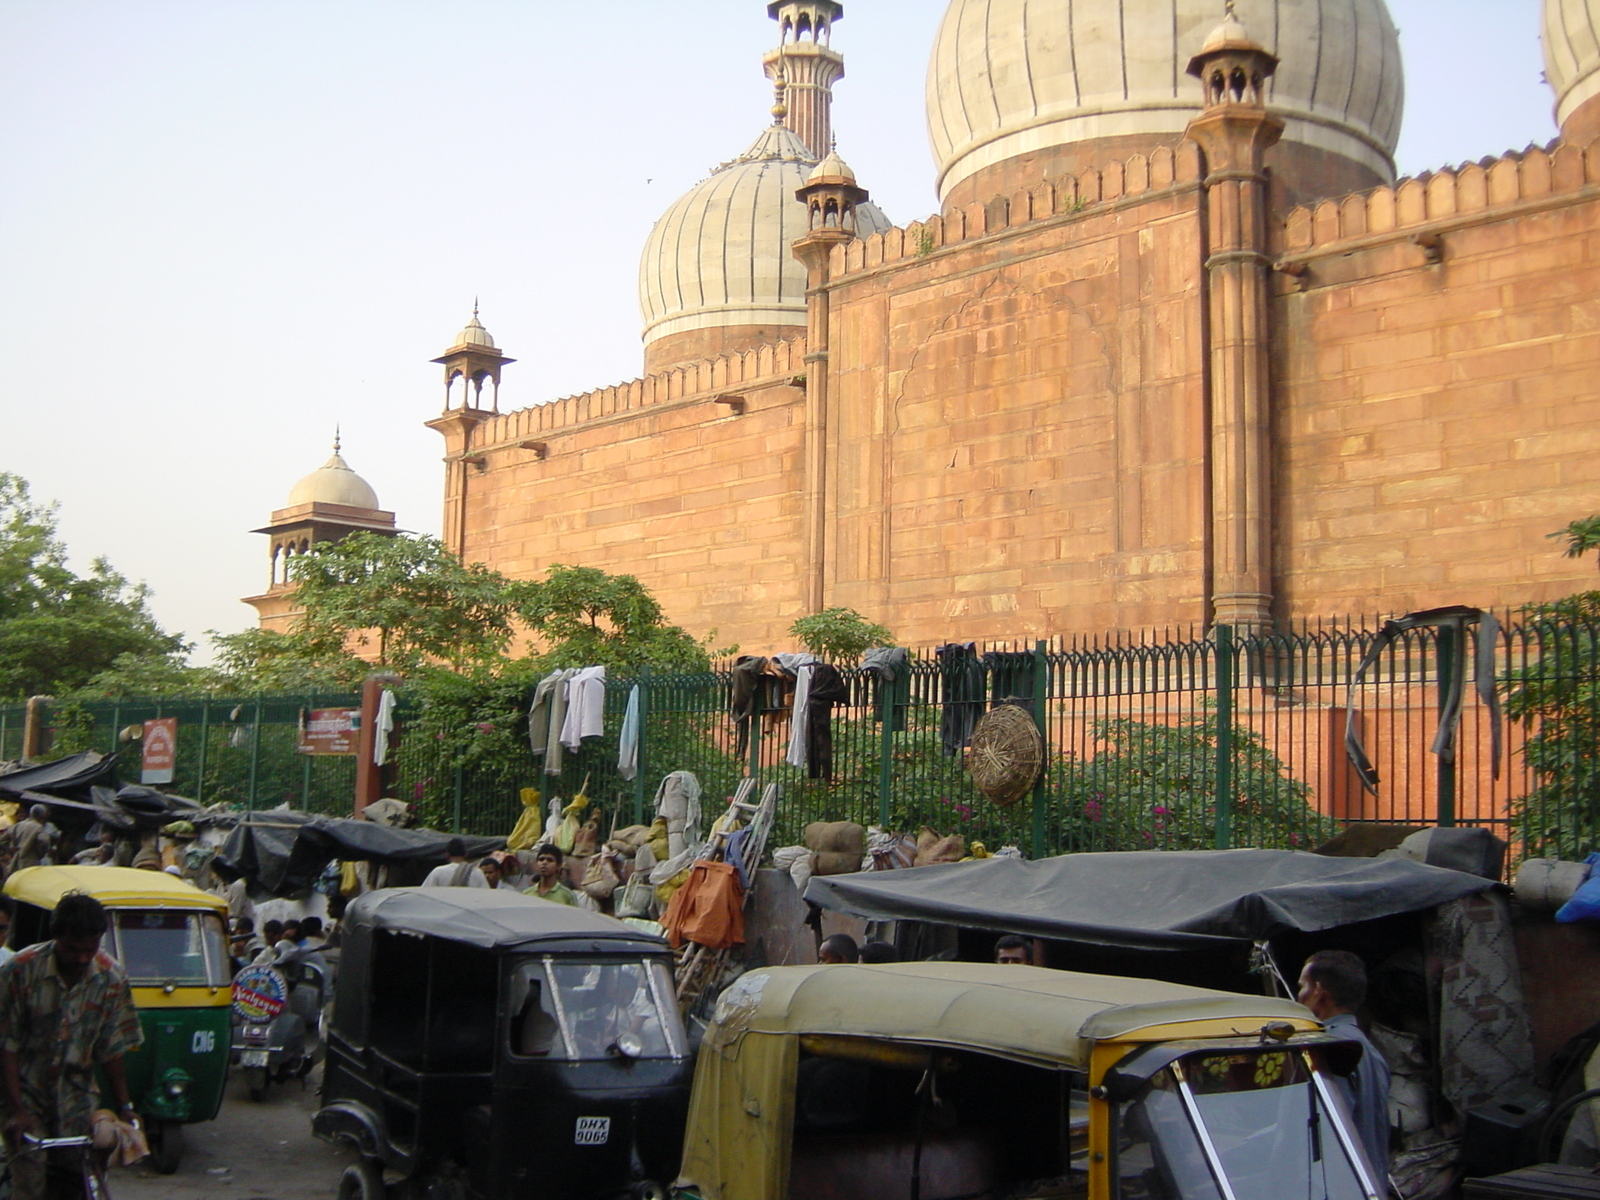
(568, 706)
(628, 741)
(961, 674)
(383, 727)
(798, 665)
(586, 706)
(827, 689)
(892, 667)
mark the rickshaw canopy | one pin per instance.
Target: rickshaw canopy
(489, 919)
(1019, 1012)
(115, 887)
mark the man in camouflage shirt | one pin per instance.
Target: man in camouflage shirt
(65, 1008)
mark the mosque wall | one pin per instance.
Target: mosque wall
(1438, 366)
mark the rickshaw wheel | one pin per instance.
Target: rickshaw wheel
(362, 1181)
(255, 1082)
(166, 1146)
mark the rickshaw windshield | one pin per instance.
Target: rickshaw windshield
(1260, 1118)
(161, 946)
(588, 1010)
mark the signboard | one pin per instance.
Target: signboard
(259, 993)
(329, 731)
(160, 750)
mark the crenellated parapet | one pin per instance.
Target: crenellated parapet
(1070, 196)
(778, 363)
(1439, 199)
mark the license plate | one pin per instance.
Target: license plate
(253, 1058)
(593, 1131)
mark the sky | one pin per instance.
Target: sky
(229, 226)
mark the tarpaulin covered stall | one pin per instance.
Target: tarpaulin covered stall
(1150, 899)
(283, 851)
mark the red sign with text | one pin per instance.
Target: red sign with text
(329, 731)
(160, 750)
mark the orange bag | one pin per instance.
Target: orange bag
(708, 909)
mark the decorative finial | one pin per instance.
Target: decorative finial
(475, 299)
(336, 439)
(780, 109)
(1227, 10)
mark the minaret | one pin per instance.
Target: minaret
(808, 66)
(831, 197)
(1234, 132)
(473, 359)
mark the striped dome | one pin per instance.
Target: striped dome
(721, 255)
(1572, 52)
(1012, 77)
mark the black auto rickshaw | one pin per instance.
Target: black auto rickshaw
(490, 1045)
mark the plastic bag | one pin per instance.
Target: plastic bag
(1585, 902)
(530, 824)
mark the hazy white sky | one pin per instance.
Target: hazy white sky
(227, 225)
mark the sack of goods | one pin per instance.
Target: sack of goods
(836, 846)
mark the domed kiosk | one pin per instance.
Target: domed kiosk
(327, 505)
(1024, 90)
(1572, 65)
(718, 273)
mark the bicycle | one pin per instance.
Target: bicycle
(88, 1168)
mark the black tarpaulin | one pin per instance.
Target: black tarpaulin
(69, 778)
(1150, 899)
(284, 851)
(486, 919)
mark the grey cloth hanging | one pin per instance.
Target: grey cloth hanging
(1457, 617)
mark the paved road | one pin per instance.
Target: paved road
(251, 1151)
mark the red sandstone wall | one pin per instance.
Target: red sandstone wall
(1438, 420)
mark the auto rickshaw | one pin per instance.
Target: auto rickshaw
(925, 1081)
(491, 1045)
(171, 940)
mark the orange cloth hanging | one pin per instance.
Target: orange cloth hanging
(708, 909)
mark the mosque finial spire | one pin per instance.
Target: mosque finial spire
(336, 439)
(807, 67)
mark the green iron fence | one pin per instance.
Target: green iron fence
(1177, 742)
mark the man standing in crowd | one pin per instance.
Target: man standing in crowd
(1012, 950)
(548, 886)
(839, 948)
(1333, 985)
(65, 1009)
(457, 870)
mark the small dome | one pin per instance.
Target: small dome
(475, 334)
(334, 483)
(832, 168)
(1013, 78)
(722, 254)
(1572, 52)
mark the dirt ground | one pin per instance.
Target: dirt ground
(251, 1151)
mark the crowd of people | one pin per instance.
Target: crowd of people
(539, 874)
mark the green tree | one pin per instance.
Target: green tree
(59, 629)
(587, 617)
(840, 635)
(407, 598)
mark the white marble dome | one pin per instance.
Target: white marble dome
(721, 255)
(475, 334)
(1011, 77)
(1572, 52)
(334, 483)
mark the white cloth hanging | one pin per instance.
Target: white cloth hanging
(383, 726)
(628, 742)
(586, 707)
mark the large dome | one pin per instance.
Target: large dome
(721, 255)
(334, 483)
(1011, 78)
(1572, 53)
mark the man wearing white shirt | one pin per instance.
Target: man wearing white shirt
(457, 871)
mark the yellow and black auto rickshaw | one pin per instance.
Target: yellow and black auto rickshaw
(170, 939)
(926, 1081)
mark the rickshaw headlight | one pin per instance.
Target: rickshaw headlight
(628, 1045)
(175, 1083)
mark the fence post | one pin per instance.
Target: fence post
(1451, 646)
(33, 729)
(255, 757)
(205, 737)
(885, 748)
(640, 782)
(1041, 693)
(1224, 772)
(455, 816)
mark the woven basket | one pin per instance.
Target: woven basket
(1005, 754)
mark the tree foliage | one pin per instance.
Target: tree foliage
(587, 617)
(840, 635)
(58, 629)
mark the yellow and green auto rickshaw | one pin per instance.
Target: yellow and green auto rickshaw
(928, 1081)
(170, 938)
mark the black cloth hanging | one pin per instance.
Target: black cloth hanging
(827, 689)
(891, 666)
(962, 677)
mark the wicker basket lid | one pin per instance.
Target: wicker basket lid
(1005, 754)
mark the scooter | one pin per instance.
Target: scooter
(277, 1011)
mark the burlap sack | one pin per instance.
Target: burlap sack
(835, 862)
(836, 837)
(932, 848)
(602, 876)
(631, 835)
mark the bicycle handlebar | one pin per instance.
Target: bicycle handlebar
(58, 1143)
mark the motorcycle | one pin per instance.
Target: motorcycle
(277, 1019)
